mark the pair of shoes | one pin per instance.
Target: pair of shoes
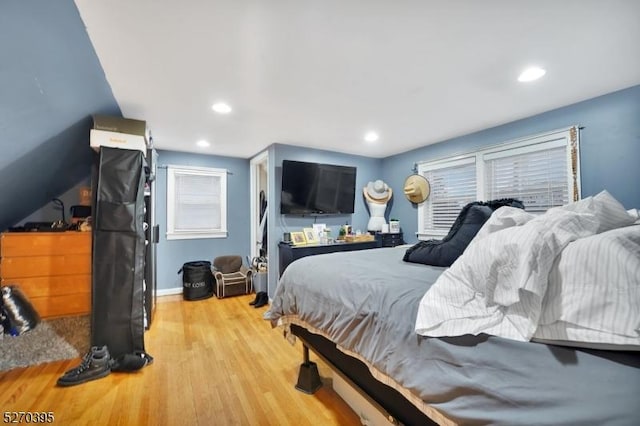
(262, 298)
(95, 364)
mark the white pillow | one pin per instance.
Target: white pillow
(593, 295)
(498, 284)
(609, 212)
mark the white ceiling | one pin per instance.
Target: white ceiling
(320, 73)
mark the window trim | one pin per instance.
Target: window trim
(566, 137)
(172, 233)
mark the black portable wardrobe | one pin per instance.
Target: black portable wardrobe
(118, 293)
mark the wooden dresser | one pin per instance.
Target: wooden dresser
(53, 269)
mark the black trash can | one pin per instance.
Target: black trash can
(197, 280)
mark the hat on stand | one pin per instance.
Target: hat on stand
(377, 192)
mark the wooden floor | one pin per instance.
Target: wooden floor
(217, 362)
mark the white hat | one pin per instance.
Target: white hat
(377, 191)
(416, 188)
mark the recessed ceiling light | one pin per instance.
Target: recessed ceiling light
(221, 108)
(531, 74)
(371, 137)
(203, 144)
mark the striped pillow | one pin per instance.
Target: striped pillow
(609, 212)
(593, 295)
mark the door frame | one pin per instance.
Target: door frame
(260, 160)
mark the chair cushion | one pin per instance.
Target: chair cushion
(234, 277)
(227, 264)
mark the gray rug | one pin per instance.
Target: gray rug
(51, 340)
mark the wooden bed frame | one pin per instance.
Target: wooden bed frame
(396, 408)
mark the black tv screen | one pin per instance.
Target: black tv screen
(314, 188)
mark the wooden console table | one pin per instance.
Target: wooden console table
(53, 270)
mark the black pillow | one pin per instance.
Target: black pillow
(471, 218)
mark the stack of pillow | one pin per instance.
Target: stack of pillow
(570, 276)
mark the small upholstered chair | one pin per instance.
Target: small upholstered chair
(232, 277)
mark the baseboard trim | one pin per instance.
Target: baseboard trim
(169, 291)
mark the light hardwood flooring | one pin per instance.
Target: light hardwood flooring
(217, 362)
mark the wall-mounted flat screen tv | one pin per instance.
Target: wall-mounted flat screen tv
(316, 189)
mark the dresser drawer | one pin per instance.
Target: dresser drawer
(45, 243)
(51, 286)
(391, 240)
(38, 266)
(64, 305)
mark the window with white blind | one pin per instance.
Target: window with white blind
(536, 175)
(453, 184)
(196, 202)
(541, 171)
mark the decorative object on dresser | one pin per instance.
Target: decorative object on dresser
(390, 240)
(377, 194)
(321, 231)
(359, 238)
(298, 239)
(310, 236)
(53, 269)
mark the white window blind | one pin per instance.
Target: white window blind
(538, 178)
(453, 184)
(542, 171)
(196, 202)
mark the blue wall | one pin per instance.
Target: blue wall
(368, 169)
(609, 149)
(172, 254)
(50, 83)
(51, 212)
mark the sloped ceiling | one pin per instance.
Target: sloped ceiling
(322, 73)
(50, 83)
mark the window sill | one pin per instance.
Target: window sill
(195, 235)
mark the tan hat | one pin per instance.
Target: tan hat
(416, 188)
(378, 191)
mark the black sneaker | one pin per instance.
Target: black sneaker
(95, 364)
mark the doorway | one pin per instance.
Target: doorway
(259, 176)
